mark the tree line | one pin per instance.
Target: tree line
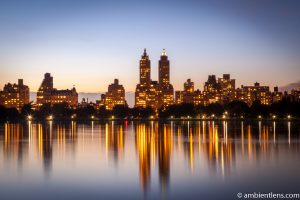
(234, 109)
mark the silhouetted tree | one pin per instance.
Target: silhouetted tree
(85, 112)
(181, 110)
(139, 112)
(214, 108)
(61, 111)
(120, 111)
(237, 108)
(259, 109)
(26, 110)
(44, 111)
(12, 114)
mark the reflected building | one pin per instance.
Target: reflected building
(165, 141)
(154, 142)
(45, 146)
(114, 140)
(14, 95)
(144, 147)
(14, 148)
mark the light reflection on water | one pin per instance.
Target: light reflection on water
(148, 159)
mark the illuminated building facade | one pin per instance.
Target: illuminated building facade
(152, 93)
(114, 96)
(250, 94)
(211, 91)
(166, 97)
(276, 95)
(48, 94)
(227, 87)
(14, 95)
(223, 91)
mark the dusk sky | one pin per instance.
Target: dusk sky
(89, 43)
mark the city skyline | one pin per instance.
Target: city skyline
(88, 46)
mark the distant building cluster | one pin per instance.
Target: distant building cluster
(155, 94)
(222, 90)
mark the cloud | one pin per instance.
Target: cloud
(289, 87)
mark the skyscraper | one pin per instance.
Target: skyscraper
(145, 69)
(164, 69)
(166, 96)
(143, 88)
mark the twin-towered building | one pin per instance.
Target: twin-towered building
(151, 93)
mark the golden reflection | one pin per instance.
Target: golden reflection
(243, 138)
(289, 132)
(264, 140)
(154, 141)
(13, 136)
(218, 148)
(114, 140)
(217, 144)
(249, 140)
(164, 154)
(274, 131)
(143, 146)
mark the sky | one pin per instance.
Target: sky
(90, 43)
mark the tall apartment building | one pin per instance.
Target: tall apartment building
(114, 96)
(14, 95)
(48, 94)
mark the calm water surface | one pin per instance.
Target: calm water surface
(134, 160)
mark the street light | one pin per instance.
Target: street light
(29, 117)
(50, 117)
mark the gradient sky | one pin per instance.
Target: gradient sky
(89, 43)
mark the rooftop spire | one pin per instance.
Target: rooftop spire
(164, 52)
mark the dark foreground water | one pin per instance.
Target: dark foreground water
(134, 160)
